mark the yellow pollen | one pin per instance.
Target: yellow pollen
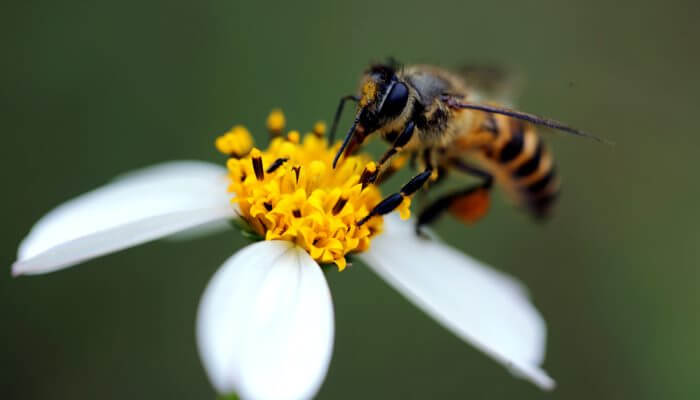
(295, 194)
(369, 92)
(276, 122)
(399, 161)
(371, 166)
(434, 175)
(293, 137)
(319, 128)
(237, 142)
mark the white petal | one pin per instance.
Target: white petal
(478, 304)
(137, 207)
(265, 324)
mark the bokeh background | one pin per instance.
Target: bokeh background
(90, 89)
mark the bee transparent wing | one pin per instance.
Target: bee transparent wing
(457, 102)
(492, 83)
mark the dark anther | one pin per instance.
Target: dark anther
(260, 220)
(268, 206)
(296, 213)
(278, 163)
(297, 170)
(368, 177)
(338, 207)
(238, 155)
(258, 168)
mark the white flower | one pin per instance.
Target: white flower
(265, 324)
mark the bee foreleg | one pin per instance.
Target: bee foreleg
(390, 203)
(403, 138)
(338, 113)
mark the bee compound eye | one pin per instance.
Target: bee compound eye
(395, 100)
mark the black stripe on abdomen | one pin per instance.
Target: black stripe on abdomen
(530, 166)
(541, 193)
(514, 146)
(541, 183)
(537, 179)
(525, 163)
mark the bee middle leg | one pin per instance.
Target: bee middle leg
(401, 140)
(469, 204)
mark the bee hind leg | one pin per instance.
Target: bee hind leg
(469, 204)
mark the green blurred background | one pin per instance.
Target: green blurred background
(91, 89)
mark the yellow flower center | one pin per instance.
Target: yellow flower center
(290, 191)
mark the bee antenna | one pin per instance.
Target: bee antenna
(348, 137)
(532, 118)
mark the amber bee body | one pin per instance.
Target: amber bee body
(438, 119)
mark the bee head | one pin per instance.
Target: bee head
(383, 98)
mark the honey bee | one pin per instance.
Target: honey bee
(437, 118)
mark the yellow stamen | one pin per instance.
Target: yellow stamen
(404, 208)
(276, 122)
(319, 128)
(293, 137)
(236, 143)
(304, 199)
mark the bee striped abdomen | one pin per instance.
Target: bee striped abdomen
(526, 162)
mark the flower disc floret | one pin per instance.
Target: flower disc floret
(237, 142)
